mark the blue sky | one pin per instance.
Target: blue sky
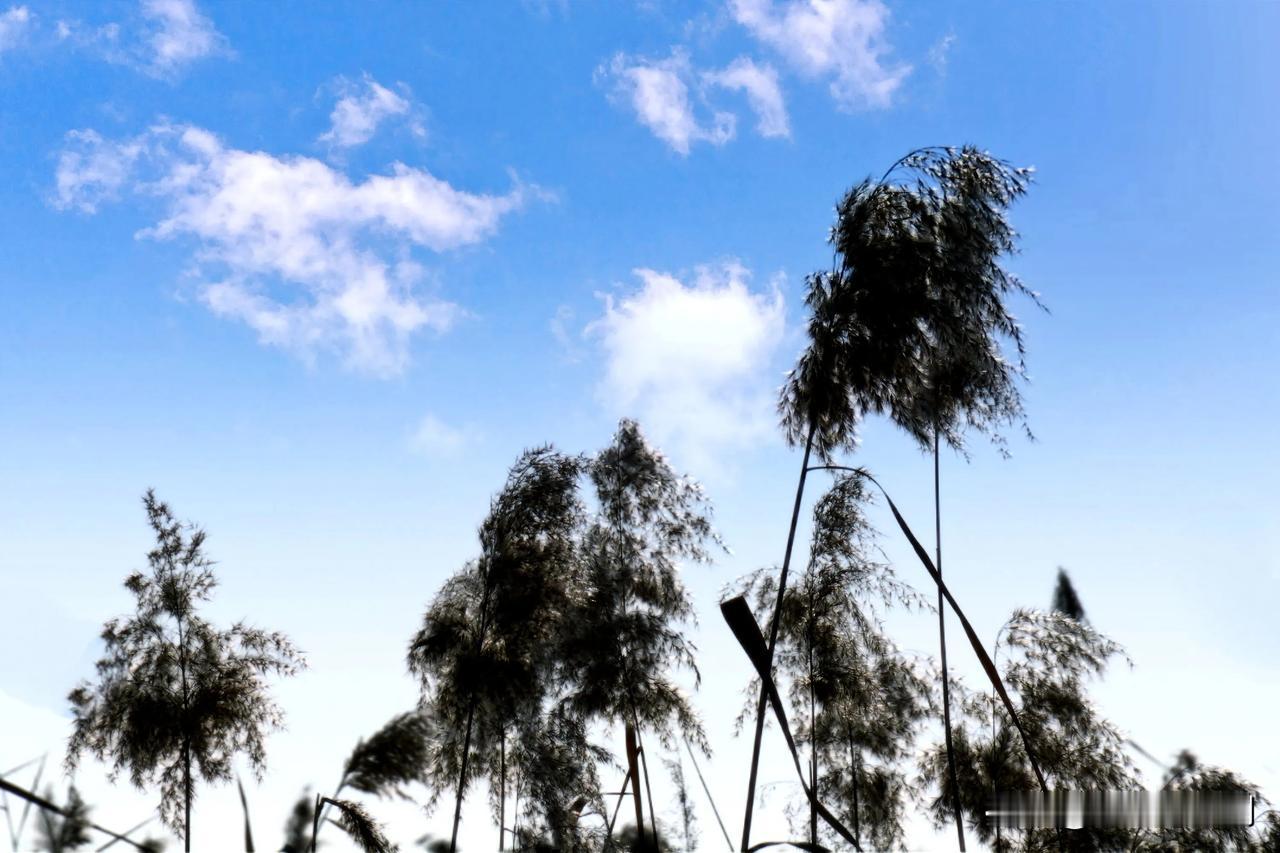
(317, 274)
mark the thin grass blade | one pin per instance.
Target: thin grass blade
(26, 807)
(40, 802)
(710, 799)
(127, 833)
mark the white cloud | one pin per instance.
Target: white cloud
(92, 170)
(179, 35)
(433, 437)
(161, 39)
(104, 40)
(691, 361)
(543, 8)
(360, 109)
(658, 91)
(940, 53)
(308, 258)
(14, 25)
(841, 39)
(760, 83)
(559, 325)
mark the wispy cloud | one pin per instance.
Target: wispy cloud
(15, 23)
(161, 39)
(843, 40)
(178, 35)
(760, 84)
(309, 258)
(570, 347)
(658, 91)
(691, 360)
(940, 53)
(545, 8)
(92, 170)
(361, 108)
(434, 438)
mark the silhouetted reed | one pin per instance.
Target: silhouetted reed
(908, 324)
(177, 699)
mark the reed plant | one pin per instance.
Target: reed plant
(908, 323)
(485, 654)
(177, 700)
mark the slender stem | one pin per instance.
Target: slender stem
(632, 741)
(186, 739)
(854, 763)
(974, 642)
(13, 838)
(342, 783)
(186, 775)
(515, 817)
(1149, 756)
(995, 781)
(50, 830)
(634, 767)
(126, 834)
(707, 791)
(26, 806)
(942, 642)
(502, 796)
(773, 639)
(471, 714)
(244, 804)
(462, 776)
(4, 798)
(644, 768)
(813, 732)
(24, 765)
(315, 822)
(632, 726)
(9, 788)
(622, 792)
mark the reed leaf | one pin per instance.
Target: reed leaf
(857, 700)
(737, 613)
(987, 665)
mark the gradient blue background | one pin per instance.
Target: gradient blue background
(1151, 232)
